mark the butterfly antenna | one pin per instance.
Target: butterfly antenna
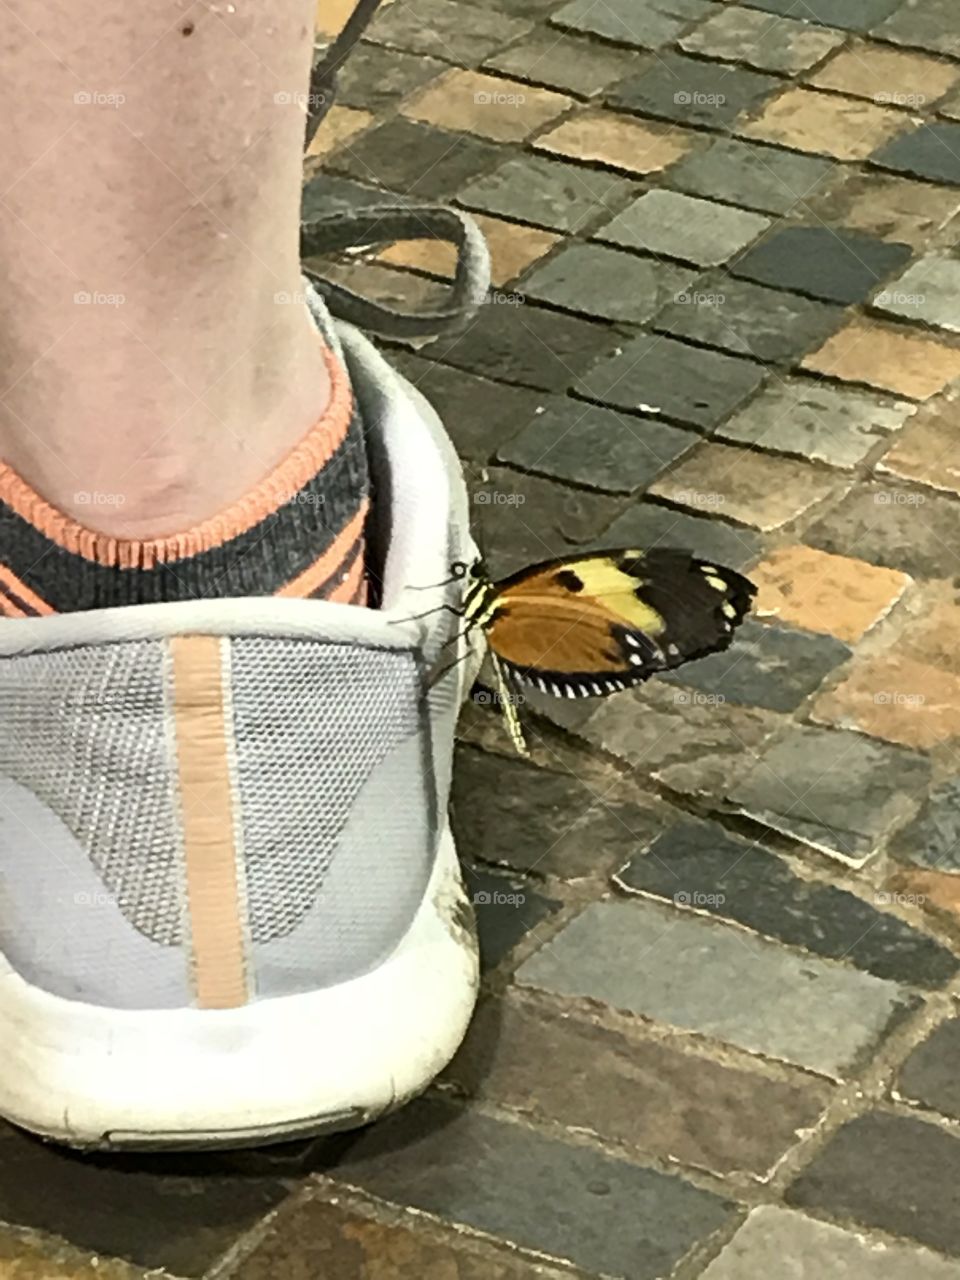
(414, 617)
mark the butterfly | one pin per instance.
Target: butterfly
(594, 624)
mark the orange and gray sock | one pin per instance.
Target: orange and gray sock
(299, 533)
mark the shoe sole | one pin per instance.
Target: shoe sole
(271, 1071)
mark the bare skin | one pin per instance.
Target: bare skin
(154, 346)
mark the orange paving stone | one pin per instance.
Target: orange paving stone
(939, 890)
(901, 360)
(619, 141)
(25, 1259)
(504, 110)
(756, 489)
(887, 76)
(934, 636)
(928, 450)
(338, 126)
(512, 249)
(895, 698)
(834, 595)
(332, 14)
(826, 125)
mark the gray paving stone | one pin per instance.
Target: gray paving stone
(416, 159)
(681, 226)
(698, 865)
(891, 1172)
(506, 908)
(817, 421)
(852, 15)
(933, 838)
(766, 666)
(824, 262)
(932, 151)
(603, 1214)
(924, 24)
(928, 291)
(566, 62)
(645, 24)
(374, 77)
(633, 1087)
(647, 524)
(654, 374)
(710, 94)
(929, 1076)
(832, 789)
(462, 33)
(916, 532)
(756, 39)
(598, 281)
(748, 319)
(326, 194)
(550, 193)
(597, 447)
(752, 175)
(720, 982)
(783, 1243)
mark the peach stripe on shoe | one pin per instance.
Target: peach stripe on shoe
(325, 567)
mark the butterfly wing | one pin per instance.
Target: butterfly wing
(590, 625)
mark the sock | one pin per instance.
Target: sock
(300, 532)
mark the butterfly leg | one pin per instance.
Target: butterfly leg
(508, 707)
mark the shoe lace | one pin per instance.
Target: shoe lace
(382, 223)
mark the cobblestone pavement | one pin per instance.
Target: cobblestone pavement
(721, 914)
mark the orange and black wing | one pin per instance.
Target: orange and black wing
(590, 625)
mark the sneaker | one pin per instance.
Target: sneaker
(231, 910)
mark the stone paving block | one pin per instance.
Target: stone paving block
(825, 124)
(338, 126)
(931, 635)
(816, 421)
(464, 33)
(926, 451)
(510, 812)
(565, 62)
(570, 1202)
(512, 247)
(950, 107)
(827, 263)
(915, 532)
(647, 524)
(926, 24)
(891, 208)
(484, 105)
(755, 489)
(899, 360)
(891, 1172)
(886, 75)
(603, 137)
(137, 1208)
(750, 174)
(851, 15)
(525, 344)
(748, 320)
(932, 839)
(767, 666)
(598, 281)
(667, 223)
(506, 908)
(522, 519)
(326, 194)
(720, 982)
(837, 595)
(926, 292)
(654, 374)
(782, 1243)
(890, 696)
(650, 24)
(25, 1258)
(831, 789)
(698, 865)
(563, 197)
(929, 1076)
(935, 891)
(417, 159)
(770, 44)
(589, 445)
(689, 91)
(932, 151)
(374, 77)
(628, 1086)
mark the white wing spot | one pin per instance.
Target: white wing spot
(636, 659)
(632, 639)
(717, 583)
(596, 688)
(673, 651)
(729, 610)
